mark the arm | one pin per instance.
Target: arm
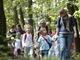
(23, 41)
(75, 33)
(57, 31)
(58, 26)
(35, 42)
(38, 45)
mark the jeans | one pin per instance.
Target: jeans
(44, 53)
(65, 45)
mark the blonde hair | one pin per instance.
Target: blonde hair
(27, 25)
(18, 35)
(66, 10)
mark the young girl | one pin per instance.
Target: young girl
(17, 44)
(27, 41)
(54, 50)
(44, 46)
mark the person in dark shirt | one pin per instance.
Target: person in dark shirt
(19, 29)
(11, 32)
(66, 30)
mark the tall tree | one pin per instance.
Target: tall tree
(30, 14)
(21, 18)
(2, 23)
(16, 20)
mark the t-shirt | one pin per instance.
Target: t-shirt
(71, 24)
(55, 44)
(20, 31)
(18, 42)
(12, 33)
(43, 44)
(28, 41)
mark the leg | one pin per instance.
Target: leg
(31, 52)
(62, 40)
(69, 42)
(49, 55)
(26, 50)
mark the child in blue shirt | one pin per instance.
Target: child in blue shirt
(42, 43)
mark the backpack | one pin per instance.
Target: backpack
(46, 28)
(26, 37)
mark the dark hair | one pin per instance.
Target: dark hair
(61, 11)
(18, 25)
(12, 26)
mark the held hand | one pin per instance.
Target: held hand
(56, 37)
(23, 47)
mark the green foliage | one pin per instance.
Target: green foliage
(5, 52)
(40, 9)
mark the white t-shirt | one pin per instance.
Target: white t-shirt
(28, 41)
(18, 42)
(55, 45)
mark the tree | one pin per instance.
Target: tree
(16, 20)
(2, 23)
(21, 18)
(30, 14)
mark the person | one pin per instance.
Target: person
(17, 44)
(19, 29)
(27, 41)
(9, 43)
(11, 32)
(66, 30)
(43, 44)
(73, 47)
(55, 49)
(11, 35)
(38, 34)
(43, 25)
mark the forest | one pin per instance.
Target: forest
(31, 12)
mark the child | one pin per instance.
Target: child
(27, 41)
(9, 43)
(44, 46)
(55, 49)
(38, 34)
(17, 44)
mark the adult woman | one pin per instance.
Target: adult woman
(43, 25)
(66, 30)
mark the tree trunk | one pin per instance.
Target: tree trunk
(21, 18)
(72, 9)
(16, 20)
(30, 15)
(2, 23)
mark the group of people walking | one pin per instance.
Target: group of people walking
(58, 45)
